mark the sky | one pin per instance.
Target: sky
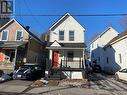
(93, 24)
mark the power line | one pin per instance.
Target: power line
(62, 15)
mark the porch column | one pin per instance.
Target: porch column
(83, 60)
(50, 58)
(15, 58)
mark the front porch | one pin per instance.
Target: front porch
(66, 64)
(12, 55)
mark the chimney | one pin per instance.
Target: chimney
(27, 28)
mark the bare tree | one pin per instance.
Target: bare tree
(124, 23)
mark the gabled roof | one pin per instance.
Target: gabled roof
(102, 34)
(117, 38)
(30, 33)
(61, 20)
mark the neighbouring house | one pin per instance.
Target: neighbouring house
(116, 53)
(6, 9)
(97, 53)
(66, 48)
(18, 46)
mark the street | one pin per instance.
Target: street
(99, 84)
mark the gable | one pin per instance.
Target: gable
(13, 27)
(67, 19)
(107, 35)
(55, 44)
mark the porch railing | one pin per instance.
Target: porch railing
(71, 64)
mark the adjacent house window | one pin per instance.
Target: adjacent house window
(107, 60)
(4, 36)
(71, 35)
(120, 58)
(61, 35)
(70, 56)
(92, 45)
(19, 35)
(6, 6)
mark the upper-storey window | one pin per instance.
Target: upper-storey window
(19, 35)
(6, 6)
(61, 35)
(4, 36)
(71, 35)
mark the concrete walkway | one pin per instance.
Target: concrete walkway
(55, 90)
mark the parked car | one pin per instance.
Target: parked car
(97, 68)
(29, 71)
(121, 74)
(4, 77)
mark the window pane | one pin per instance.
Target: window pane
(4, 35)
(71, 35)
(19, 35)
(70, 56)
(61, 35)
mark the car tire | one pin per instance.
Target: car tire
(117, 77)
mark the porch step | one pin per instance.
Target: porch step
(55, 74)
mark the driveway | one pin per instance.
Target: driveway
(18, 82)
(98, 85)
(106, 82)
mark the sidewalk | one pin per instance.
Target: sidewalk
(56, 90)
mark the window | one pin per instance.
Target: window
(107, 60)
(92, 45)
(99, 59)
(4, 36)
(19, 35)
(6, 6)
(70, 56)
(71, 35)
(61, 35)
(120, 58)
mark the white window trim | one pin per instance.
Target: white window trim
(69, 35)
(7, 35)
(16, 35)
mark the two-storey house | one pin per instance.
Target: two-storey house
(116, 53)
(18, 45)
(97, 52)
(66, 47)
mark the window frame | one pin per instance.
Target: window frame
(61, 35)
(71, 35)
(120, 58)
(16, 35)
(7, 35)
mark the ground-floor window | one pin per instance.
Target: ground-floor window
(70, 56)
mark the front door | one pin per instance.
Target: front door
(55, 59)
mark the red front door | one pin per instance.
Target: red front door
(55, 59)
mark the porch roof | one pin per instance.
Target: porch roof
(69, 45)
(11, 44)
(63, 48)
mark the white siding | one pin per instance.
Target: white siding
(69, 24)
(99, 43)
(113, 53)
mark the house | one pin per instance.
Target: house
(18, 46)
(97, 52)
(6, 9)
(66, 47)
(116, 53)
